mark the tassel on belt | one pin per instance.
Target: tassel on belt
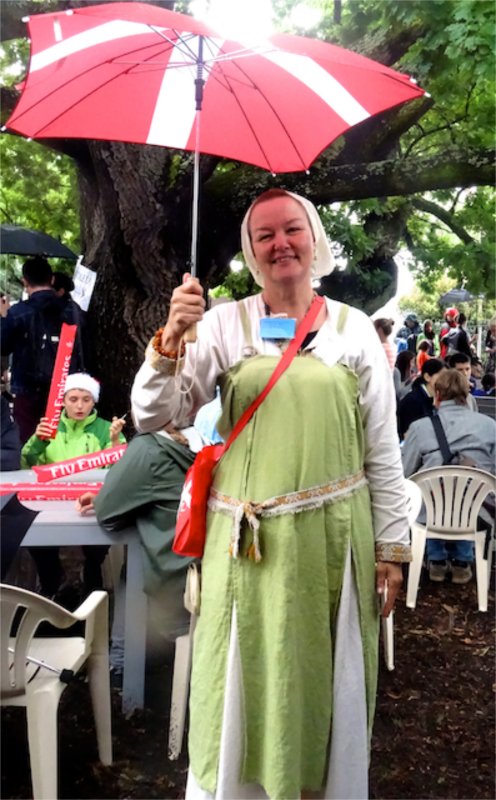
(291, 503)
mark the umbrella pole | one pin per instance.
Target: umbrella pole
(199, 84)
(190, 333)
(196, 201)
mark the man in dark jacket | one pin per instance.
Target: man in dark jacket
(30, 384)
(10, 454)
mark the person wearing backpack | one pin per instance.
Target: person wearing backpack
(449, 330)
(468, 435)
(30, 332)
(80, 431)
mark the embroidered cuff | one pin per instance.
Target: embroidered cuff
(393, 551)
(167, 366)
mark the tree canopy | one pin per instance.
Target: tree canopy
(419, 176)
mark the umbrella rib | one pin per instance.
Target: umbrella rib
(116, 61)
(249, 82)
(83, 97)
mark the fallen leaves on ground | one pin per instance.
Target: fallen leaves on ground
(433, 733)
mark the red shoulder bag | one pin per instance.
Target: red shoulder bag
(191, 523)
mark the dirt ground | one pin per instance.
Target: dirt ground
(433, 733)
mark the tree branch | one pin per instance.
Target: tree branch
(445, 216)
(327, 183)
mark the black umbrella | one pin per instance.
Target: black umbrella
(25, 242)
(455, 296)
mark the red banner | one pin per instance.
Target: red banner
(56, 491)
(64, 469)
(55, 401)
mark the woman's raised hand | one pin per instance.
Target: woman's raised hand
(43, 430)
(186, 308)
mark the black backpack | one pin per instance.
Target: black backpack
(42, 339)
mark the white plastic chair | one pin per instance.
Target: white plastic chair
(35, 671)
(413, 504)
(453, 497)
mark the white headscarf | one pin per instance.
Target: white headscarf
(83, 381)
(323, 263)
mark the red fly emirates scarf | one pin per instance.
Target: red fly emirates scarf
(64, 469)
(55, 402)
(56, 491)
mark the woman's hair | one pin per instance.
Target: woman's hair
(452, 385)
(428, 334)
(488, 381)
(386, 325)
(461, 318)
(62, 281)
(403, 361)
(431, 367)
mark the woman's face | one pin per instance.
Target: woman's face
(78, 404)
(430, 381)
(282, 241)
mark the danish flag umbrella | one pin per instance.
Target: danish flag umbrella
(134, 72)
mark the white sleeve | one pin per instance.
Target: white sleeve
(160, 396)
(383, 465)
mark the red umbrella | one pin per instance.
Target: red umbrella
(129, 72)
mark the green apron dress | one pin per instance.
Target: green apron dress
(307, 433)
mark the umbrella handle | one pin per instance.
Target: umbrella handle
(189, 335)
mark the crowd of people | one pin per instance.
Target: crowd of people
(306, 523)
(441, 376)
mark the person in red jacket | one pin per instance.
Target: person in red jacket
(449, 327)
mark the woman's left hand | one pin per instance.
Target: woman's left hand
(116, 427)
(389, 575)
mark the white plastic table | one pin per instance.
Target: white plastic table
(58, 523)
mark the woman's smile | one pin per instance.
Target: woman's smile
(282, 239)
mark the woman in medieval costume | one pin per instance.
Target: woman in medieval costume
(306, 523)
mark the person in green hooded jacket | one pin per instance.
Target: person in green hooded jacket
(80, 431)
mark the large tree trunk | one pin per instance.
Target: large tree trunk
(136, 211)
(136, 233)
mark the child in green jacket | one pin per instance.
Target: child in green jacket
(80, 431)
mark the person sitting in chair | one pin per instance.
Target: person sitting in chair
(468, 434)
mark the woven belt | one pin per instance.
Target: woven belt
(291, 503)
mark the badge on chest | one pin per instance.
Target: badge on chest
(277, 328)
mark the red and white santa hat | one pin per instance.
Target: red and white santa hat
(83, 381)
